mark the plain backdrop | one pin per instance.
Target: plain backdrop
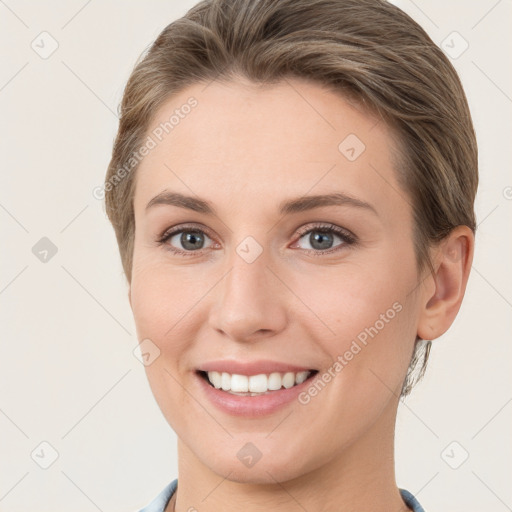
(73, 396)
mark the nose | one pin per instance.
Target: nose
(249, 303)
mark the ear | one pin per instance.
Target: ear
(444, 290)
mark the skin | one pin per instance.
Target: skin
(245, 149)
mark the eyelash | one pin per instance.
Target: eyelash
(346, 236)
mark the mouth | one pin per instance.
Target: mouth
(255, 385)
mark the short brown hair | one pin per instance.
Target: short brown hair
(368, 50)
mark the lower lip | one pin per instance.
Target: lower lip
(252, 406)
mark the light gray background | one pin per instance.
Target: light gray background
(68, 375)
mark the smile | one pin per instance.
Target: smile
(254, 385)
(252, 388)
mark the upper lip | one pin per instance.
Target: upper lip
(251, 367)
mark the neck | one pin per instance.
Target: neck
(358, 477)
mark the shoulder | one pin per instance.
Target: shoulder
(411, 501)
(162, 499)
(160, 502)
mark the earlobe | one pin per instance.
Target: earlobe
(453, 260)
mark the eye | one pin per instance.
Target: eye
(184, 241)
(187, 240)
(321, 239)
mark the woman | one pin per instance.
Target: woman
(292, 190)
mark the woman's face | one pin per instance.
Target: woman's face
(270, 286)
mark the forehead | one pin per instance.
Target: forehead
(245, 141)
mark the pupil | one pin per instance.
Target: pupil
(189, 239)
(320, 240)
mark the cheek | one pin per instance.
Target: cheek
(160, 310)
(371, 320)
(151, 303)
(161, 303)
(349, 300)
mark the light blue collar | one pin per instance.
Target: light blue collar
(161, 501)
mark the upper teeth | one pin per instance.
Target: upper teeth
(256, 383)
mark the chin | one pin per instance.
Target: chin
(261, 473)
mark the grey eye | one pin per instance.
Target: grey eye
(188, 240)
(320, 240)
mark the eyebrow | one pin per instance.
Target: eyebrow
(297, 205)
